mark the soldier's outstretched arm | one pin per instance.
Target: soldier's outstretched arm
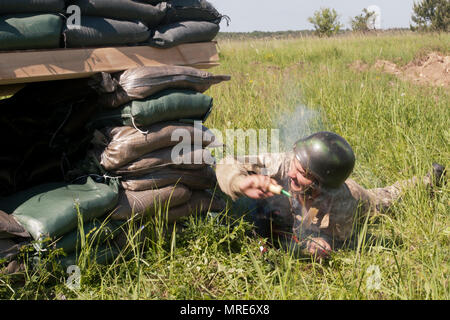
(233, 173)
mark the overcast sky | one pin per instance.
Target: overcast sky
(282, 15)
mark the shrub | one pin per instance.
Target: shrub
(361, 23)
(325, 22)
(431, 15)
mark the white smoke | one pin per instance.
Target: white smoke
(374, 22)
(297, 124)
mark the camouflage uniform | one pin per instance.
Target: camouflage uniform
(330, 215)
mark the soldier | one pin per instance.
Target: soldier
(324, 206)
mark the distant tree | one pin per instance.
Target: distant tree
(431, 15)
(325, 22)
(361, 23)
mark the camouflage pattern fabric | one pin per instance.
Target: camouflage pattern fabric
(330, 214)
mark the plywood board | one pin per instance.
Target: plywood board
(34, 66)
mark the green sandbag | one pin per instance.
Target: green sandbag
(25, 31)
(95, 232)
(123, 10)
(99, 31)
(166, 105)
(191, 10)
(51, 209)
(31, 6)
(170, 35)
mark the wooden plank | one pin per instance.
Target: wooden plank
(37, 65)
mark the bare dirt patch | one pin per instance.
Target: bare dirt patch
(432, 69)
(358, 65)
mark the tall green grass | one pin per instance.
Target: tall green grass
(397, 130)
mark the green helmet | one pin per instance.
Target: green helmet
(327, 157)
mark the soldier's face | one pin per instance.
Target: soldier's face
(300, 180)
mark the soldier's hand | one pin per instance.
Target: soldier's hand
(319, 248)
(257, 186)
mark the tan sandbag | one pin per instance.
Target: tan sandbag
(10, 228)
(195, 159)
(200, 202)
(127, 144)
(201, 179)
(132, 203)
(10, 248)
(13, 267)
(142, 82)
(130, 232)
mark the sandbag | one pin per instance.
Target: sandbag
(191, 10)
(201, 179)
(51, 209)
(165, 158)
(149, 202)
(126, 144)
(31, 6)
(26, 31)
(13, 267)
(103, 255)
(10, 248)
(95, 233)
(152, 2)
(123, 10)
(135, 232)
(166, 105)
(141, 82)
(10, 228)
(200, 202)
(98, 31)
(170, 35)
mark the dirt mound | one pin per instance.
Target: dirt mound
(387, 66)
(433, 69)
(358, 65)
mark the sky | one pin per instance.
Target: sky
(283, 15)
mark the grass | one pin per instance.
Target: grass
(397, 130)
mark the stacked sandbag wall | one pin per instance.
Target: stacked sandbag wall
(108, 149)
(147, 134)
(100, 151)
(49, 24)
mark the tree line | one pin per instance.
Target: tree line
(428, 15)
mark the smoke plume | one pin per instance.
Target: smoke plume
(297, 124)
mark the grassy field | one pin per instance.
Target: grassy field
(397, 129)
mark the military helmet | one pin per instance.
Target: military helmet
(327, 157)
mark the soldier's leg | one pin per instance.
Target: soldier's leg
(383, 198)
